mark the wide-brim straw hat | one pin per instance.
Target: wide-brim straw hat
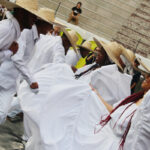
(29, 5)
(45, 14)
(113, 50)
(72, 37)
(131, 56)
(132, 59)
(87, 46)
(147, 69)
(48, 15)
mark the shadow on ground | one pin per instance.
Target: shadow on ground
(10, 136)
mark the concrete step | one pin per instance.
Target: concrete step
(101, 17)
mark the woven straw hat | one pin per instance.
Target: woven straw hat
(132, 59)
(113, 50)
(86, 45)
(72, 37)
(131, 55)
(147, 69)
(29, 5)
(48, 15)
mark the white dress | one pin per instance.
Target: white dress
(108, 81)
(65, 113)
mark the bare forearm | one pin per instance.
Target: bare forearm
(108, 106)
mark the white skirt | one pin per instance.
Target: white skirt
(64, 114)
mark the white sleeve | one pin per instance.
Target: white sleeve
(20, 65)
(9, 15)
(142, 129)
(59, 53)
(5, 55)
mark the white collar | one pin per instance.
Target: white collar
(17, 27)
(35, 32)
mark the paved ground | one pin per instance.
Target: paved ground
(10, 136)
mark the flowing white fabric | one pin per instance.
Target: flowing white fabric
(72, 58)
(65, 100)
(140, 128)
(65, 114)
(108, 81)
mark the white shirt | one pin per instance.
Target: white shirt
(112, 85)
(48, 49)
(26, 43)
(4, 55)
(72, 58)
(9, 72)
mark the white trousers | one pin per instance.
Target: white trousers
(14, 107)
(6, 97)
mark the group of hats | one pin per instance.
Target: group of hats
(114, 50)
(45, 14)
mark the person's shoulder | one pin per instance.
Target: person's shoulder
(58, 39)
(74, 8)
(5, 24)
(26, 33)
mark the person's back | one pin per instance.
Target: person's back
(46, 49)
(26, 43)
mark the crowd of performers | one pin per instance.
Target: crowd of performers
(102, 105)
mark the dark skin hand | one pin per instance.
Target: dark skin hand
(14, 48)
(34, 85)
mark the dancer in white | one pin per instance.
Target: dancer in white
(107, 79)
(65, 114)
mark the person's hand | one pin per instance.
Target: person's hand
(14, 48)
(34, 85)
(74, 69)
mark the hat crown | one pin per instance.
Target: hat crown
(47, 14)
(87, 44)
(116, 49)
(131, 55)
(29, 4)
(73, 36)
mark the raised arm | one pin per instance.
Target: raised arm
(109, 107)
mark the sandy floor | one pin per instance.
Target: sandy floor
(10, 136)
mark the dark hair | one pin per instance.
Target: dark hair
(95, 66)
(79, 3)
(137, 62)
(25, 13)
(43, 23)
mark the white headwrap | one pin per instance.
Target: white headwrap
(9, 32)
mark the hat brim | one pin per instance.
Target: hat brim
(50, 22)
(87, 49)
(70, 39)
(147, 69)
(108, 51)
(10, 5)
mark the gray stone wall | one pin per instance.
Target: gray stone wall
(136, 30)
